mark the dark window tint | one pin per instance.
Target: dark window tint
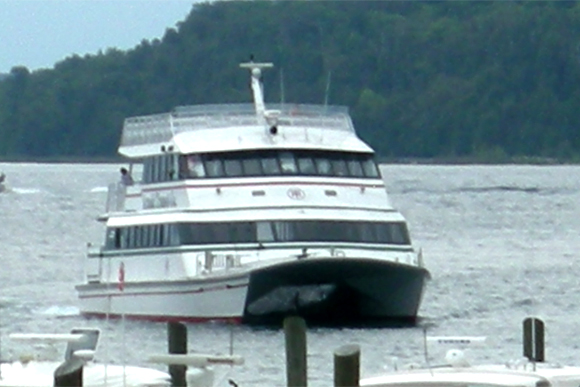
(214, 167)
(252, 166)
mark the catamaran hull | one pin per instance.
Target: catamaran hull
(323, 291)
(336, 291)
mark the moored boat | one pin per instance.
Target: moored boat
(249, 213)
(40, 369)
(457, 370)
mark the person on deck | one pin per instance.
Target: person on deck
(126, 178)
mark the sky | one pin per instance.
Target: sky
(39, 33)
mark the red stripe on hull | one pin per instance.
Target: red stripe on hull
(126, 292)
(227, 320)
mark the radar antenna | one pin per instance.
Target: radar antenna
(256, 83)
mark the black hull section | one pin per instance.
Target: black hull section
(336, 292)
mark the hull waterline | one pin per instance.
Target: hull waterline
(324, 291)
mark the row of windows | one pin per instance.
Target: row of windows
(259, 163)
(256, 232)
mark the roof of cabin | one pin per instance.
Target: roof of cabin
(237, 127)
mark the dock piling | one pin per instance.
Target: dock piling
(347, 366)
(534, 339)
(295, 336)
(69, 373)
(177, 344)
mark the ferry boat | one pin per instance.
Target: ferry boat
(248, 213)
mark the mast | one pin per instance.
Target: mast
(256, 83)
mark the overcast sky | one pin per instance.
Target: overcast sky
(39, 33)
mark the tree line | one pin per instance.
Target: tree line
(483, 80)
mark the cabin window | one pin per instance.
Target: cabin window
(270, 165)
(214, 167)
(112, 240)
(158, 168)
(147, 171)
(339, 167)
(258, 163)
(172, 167)
(191, 167)
(394, 233)
(355, 168)
(323, 166)
(283, 231)
(264, 232)
(288, 164)
(306, 165)
(233, 167)
(370, 168)
(252, 166)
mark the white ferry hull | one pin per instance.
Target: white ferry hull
(193, 301)
(325, 291)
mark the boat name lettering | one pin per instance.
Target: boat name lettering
(296, 194)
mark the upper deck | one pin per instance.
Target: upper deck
(191, 129)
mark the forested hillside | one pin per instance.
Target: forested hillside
(488, 80)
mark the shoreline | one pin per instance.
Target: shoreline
(380, 160)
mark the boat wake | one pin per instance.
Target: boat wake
(98, 189)
(23, 191)
(60, 311)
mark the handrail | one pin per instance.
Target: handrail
(160, 128)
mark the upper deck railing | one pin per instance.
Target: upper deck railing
(159, 128)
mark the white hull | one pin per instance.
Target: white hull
(168, 300)
(332, 290)
(41, 374)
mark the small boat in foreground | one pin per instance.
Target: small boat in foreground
(31, 370)
(248, 213)
(530, 371)
(40, 369)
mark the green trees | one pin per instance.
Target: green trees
(422, 79)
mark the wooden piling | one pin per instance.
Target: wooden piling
(177, 344)
(295, 336)
(347, 366)
(534, 339)
(69, 373)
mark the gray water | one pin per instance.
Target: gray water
(500, 241)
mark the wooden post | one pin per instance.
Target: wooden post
(534, 339)
(177, 344)
(347, 366)
(69, 373)
(295, 335)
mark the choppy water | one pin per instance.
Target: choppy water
(501, 243)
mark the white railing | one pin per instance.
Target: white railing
(159, 128)
(116, 193)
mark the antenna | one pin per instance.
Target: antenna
(425, 348)
(327, 92)
(281, 86)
